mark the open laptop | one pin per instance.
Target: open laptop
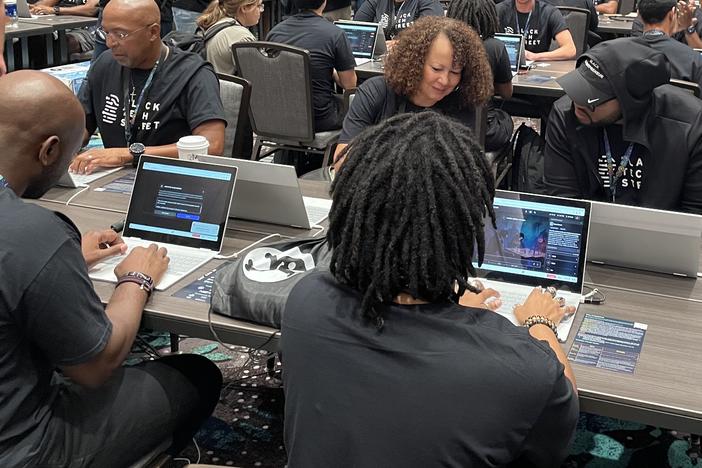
(23, 10)
(367, 39)
(515, 49)
(539, 241)
(73, 180)
(645, 239)
(178, 204)
(270, 193)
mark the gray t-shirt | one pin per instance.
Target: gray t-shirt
(441, 385)
(49, 316)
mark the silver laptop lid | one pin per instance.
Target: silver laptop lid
(515, 49)
(644, 238)
(362, 36)
(539, 241)
(265, 192)
(23, 9)
(180, 202)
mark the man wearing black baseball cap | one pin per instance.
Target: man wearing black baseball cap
(623, 134)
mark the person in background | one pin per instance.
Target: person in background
(396, 15)
(186, 13)
(331, 59)
(482, 17)
(622, 134)
(396, 320)
(81, 41)
(438, 63)
(588, 5)
(687, 28)
(659, 18)
(539, 23)
(65, 398)
(145, 96)
(606, 7)
(240, 14)
(337, 10)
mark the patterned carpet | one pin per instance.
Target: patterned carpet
(246, 429)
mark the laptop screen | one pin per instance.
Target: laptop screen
(361, 37)
(539, 241)
(180, 202)
(513, 44)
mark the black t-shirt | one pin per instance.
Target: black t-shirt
(440, 385)
(539, 27)
(329, 49)
(685, 63)
(394, 17)
(628, 178)
(184, 93)
(584, 4)
(637, 28)
(49, 316)
(499, 60)
(374, 102)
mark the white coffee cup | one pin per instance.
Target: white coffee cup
(188, 146)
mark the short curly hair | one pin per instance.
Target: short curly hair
(404, 65)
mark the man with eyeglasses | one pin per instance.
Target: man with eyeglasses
(145, 96)
(623, 134)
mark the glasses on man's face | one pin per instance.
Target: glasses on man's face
(119, 36)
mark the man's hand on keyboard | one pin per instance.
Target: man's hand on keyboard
(152, 260)
(99, 245)
(542, 302)
(488, 299)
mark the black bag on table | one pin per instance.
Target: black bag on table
(256, 286)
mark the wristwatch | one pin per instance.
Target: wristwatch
(692, 29)
(57, 10)
(136, 150)
(145, 282)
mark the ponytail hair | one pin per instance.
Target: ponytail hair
(219, 9)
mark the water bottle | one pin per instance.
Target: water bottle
(11, 12)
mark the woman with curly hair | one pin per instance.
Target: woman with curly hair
(438, 63)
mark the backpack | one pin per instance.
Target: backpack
(195, 42)
(528, 161)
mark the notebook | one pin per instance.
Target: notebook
(363, 38)
(180, 205)
(73, 180)
(270, 193)
(513, 44)
(539, 241)
(645, 239)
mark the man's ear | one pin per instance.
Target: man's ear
(50, 151)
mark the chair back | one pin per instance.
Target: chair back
(626, 6)
(578, 22)
(236, 95)
(281, 90)
(688, 86)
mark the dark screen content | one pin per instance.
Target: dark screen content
(361, 41)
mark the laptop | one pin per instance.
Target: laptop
(73, 180)
(645, 239)
(23, 10)
(539, 241)
(515, 49)
(270, 193)
(365, 39)
(180, 205)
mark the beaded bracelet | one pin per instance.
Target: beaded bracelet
(541, 320)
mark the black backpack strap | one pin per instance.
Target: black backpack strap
(214, 30)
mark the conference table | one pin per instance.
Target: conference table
(538, 81)
(22, 31)
(615, 24)
(663, 391)
(60, 24)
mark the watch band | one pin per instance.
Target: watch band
(145, 282)
(691, 30)
(57, 10)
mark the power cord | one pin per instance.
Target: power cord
(236, 254)
(595, 296)
(83, 189)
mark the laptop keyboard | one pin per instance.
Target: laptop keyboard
(181, 262)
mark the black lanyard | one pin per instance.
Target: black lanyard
(615, 176)
(126, 80)
(526, 24)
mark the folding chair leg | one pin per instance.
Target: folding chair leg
(328, 155)
(256, 149)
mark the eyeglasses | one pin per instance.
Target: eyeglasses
(119, 36)
(260, 6)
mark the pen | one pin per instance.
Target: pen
(118, 226)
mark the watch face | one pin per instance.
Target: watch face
(137, 148)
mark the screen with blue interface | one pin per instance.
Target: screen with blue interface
(539, 240)
(180, 202)
(361, 37)
(512, 44)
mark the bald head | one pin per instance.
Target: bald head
(133, 32)
(138, 12)
(41, 124)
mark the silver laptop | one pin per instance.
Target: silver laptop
(514, 43)
(23, 10)
(270, 193)
(367, 39)
(73, 180)
(539, 241)
(646, 239)
(181, 205)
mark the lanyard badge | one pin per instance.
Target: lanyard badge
(613, 175)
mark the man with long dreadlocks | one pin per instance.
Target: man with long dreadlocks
(392, 358)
